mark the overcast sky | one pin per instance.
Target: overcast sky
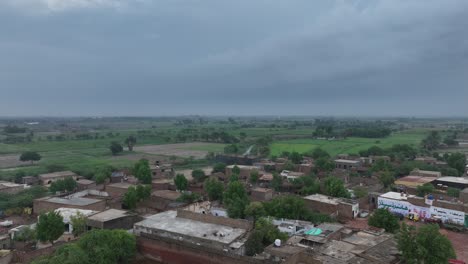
(236, 57)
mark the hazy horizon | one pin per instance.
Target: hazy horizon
(142, 58)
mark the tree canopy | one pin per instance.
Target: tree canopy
(180, 182)
(382, 218)
(214, 189)
(50, 226)
(68, 184)
(130, 141)
(198, 175)
(130, 198)
(335, 187)
(235, 199)
(30, 156)
(115, 148)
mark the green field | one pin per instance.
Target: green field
(349, 145)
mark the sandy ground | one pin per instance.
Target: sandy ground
(459, 240)
(181, 150)
(8, 161)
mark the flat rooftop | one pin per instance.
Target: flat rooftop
(166, 194)
(169, 222)
(462, 180)
(414, 180)
(122, 185)
(322, 198)
(347, 161)
(395, 196)
(85, 182)
(108, 215)
(242, 167)
(78, 201)
(258, 189)
(67, 213)
(57, 174)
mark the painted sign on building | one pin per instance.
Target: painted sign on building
(448, 215)
(403, 207)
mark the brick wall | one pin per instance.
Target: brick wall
(40, 206)
(320, 207)
(207, 218)
(26, 257)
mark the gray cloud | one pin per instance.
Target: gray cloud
(386, 57)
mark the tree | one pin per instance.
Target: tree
(454, 192)
(142, 171)
(231, 149)
(109, 246)
(254, 243)
(255, 210)
(189, 197)
(30, 156)
(458, 162)
(360, 192)
(288, 206)
(319, 153)
(432, 141)
(102, 174)
(180, 182)
(424, 189)
(235, 199)
(277, 182)
(115, 148)
(264, 234)
(219, 167)
(26, 234)
(143, 192)
(68, 184)
(130, 198)
(198, 175)
(236, 170)
(67, 254)
(324, 164)
(50, 226)
(425, 245)
(78, 222)
(214, 189)
(382, 218)
(335, 187)
(295, 157)
(254, 176)
(130, 141)
(386, 178)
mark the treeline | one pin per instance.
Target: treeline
(332, 128)
(23, 199)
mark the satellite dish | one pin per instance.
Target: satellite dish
(278, 242)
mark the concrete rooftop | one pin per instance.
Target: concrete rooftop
(108, 215)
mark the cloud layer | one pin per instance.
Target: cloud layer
(342, 57)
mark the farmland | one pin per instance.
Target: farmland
(348, 145)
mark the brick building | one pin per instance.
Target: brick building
(261, 194)
(48, 204)
(112, 219)
(339, 207)
(48, 178)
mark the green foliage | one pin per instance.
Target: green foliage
(308, 184)
(198, 175)
(115, 148)
(67, 254)
(26, 234)
(22, 199)
(143, 192)
(324, 164)
(130, 198)
(108, 246)
(189, 197)
(318, 153)
(288, 206)
(425, 245)
(214, 189)
(277, 182)
(63, 185)
(30, 156)
(78, 222)
(219, 167)
(264, 234)
(180, 182)
(335, 187)
(458, 162)
(386, 178)
(254, 176)
(255, 210)
(235, 199)
(424, 189)
(142, 171)
(231, 149)
(130, 141)
(432, 141)
(360, 192)
(236, 170)
(102, 174)
(382, 218)
(454, 192)
(295, 157)
(50, 226)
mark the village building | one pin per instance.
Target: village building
(112, 219)
(176, 236)
(450, 181)
(261, 194)
(164, 199)
(410, 183)
(425, 208)
(48, 178)
(162, 184)
(159, 171)
(117, 190)
(68, 213)
(47, 204)
(118, 176)
(84, 184)
(10, 187)
(30, 180)
(291, 175)
(425, 173)
(347, 164)
(337, 207)
(245, 171)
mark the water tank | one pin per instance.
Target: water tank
(277, 242)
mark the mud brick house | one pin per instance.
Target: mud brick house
(164, 199)
(347, 164)
(160, 171)
(261, 194)
(10, 187)
(117, 190)
(112, 219)
(245, 171)
(48, 178)
(48, 204)
(339, 207)
(84, 184)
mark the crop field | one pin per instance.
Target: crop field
(196, 149)
(349, 145)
